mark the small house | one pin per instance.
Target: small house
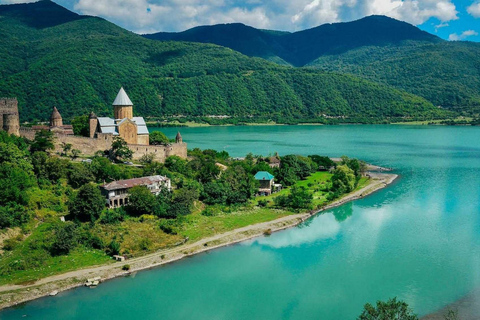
(266, 182)
(116, 192)
(274, 162)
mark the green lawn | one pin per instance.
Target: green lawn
(198, 226)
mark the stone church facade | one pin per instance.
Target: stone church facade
(132, 129)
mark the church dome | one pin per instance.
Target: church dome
(55, 114)
(122, 99)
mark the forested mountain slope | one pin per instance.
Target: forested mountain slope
(446, 73)
(79, 63)
(377, 48)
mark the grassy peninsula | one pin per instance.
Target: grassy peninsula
(213, 194)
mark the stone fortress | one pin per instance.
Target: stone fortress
(9, 119)
(102, 130)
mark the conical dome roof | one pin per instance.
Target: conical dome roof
(122, 99)
(178, 138)
(55, 114)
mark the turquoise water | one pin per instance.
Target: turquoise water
(418, 240)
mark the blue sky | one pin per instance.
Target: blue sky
(449, 19)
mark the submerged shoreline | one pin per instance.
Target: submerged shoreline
(11, 295)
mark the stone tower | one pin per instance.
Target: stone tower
(123, 106)
(178, 138)
(9, 119)
(92, 121)
(56, 118)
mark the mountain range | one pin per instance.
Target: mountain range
(54, 57)
(377, 48)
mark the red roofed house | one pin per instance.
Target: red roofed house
(116, 192)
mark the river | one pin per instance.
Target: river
(418, 239)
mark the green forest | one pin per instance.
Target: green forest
(78, 65)
(211, 193)
(445, 73)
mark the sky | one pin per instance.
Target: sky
(449, 19)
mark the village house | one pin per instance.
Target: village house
(266, 182)
(274, 162)
(116, 192)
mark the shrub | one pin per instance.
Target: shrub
(12, 243)
(263, 203)
(167, 227)
(112, 216)
(113, 248)
(126, 267)
(211, 211)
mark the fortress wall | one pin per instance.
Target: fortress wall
(160, 152)
(9, 118)
(27, 133)
(88, 146)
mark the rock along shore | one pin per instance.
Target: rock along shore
(11, 295)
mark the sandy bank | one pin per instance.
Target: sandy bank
(11, 295)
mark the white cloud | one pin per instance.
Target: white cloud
(16, 1)
(463, 36)
(177, 15)
(474, 9)
(441, 25)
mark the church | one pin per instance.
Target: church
(132, 129)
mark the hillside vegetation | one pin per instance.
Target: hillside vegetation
(446, 73)
(377, 48)
(79, 63)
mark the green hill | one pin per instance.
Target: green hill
(446, 73)
(78, 64)
(377, 48)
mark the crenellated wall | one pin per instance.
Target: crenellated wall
(103, 142)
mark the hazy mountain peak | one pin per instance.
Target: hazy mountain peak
(41, 14)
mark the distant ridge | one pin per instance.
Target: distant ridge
(41, 14)
(302, 47)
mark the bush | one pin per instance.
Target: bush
(87, 204)
(113, 248)
(112, 216)
(392, 309)
(12, 243)
(167, 226)
(263, 203)
(64, 238)
(210, 211)
(126, 267)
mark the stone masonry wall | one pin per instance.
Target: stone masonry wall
(9, 118)
(88, 146)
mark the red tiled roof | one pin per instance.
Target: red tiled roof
(130, 183)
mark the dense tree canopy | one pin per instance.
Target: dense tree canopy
(87, 203)
(393, 309)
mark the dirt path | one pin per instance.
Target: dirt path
(14, 294)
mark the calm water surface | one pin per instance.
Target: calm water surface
(418, 240)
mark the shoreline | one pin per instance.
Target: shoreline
(12, 295)
(466, 308)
